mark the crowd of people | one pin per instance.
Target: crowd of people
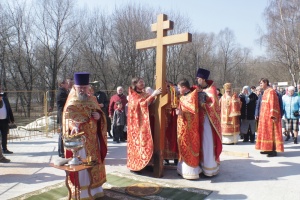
(199, 120)
(208, 119)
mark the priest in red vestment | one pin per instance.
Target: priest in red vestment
(209, 124)
(83, 114)
(188, 136)
(269, 136)
(139, 136)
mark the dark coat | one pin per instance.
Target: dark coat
(279, 95)
(248, 110)
(9, 117)
(102, 98)
(258, 103)
(61, 98)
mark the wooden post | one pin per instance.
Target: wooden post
(160, 43)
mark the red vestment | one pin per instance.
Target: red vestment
(212, 110)
(269, 132)
(171, 147)
(139, 138)
(230, 112)
(188, 130)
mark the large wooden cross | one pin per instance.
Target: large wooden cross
(160, 43)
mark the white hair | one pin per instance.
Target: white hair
(119, 87)
(290, 88)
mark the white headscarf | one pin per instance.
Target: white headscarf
(247, 99)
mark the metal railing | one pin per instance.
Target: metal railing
(34, 113)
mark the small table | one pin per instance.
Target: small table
(76, 169)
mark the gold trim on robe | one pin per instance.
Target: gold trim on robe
(139, 137)
(268, 132)
(188, 130)
(79, 112)
(230, 112)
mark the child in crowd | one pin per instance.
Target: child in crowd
(119, 121)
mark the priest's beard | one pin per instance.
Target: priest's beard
(82, 97)
(1, 103)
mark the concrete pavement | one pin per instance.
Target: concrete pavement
(255, 177)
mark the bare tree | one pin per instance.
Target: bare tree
(283, 36)
(230, 57)
(4, 34)
(20, 52)
(177, 54)
(94, 47)
(130, 24)
(200, 53)
(55, 24)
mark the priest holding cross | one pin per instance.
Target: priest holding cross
(134, 137)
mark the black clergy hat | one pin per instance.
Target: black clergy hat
(81, 78)
(203, 73)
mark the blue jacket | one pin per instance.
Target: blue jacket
(290, 104)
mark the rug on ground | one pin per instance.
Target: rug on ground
(127, 187)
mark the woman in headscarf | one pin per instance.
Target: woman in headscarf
(248, 123)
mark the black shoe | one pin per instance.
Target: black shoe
(295, 141)
(166, 162)
(4, 160)
(265, 152)
(136, 172)
(175, 161)
(109, 134)
(287, 137)
(149, 168)
(252, 141)
(245, 141)
(272, 154)
(7, 152)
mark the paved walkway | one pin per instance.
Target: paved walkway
(255, 177)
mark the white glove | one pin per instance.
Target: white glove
(156, 92)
